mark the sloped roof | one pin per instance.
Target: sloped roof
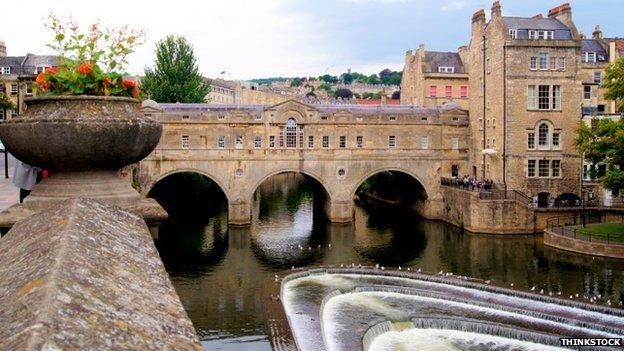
(523, 24)
(435, 59)
(593, 45)
(26, 64)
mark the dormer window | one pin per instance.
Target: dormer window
(589, 57)
(446, 69)
(513, 33)
(40, 69)
(541, 34)
(5, 70)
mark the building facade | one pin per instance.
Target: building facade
(432, 78)
(17, 76)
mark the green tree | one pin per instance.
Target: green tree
(6, 104)
(614, 83)
(603, 142)
(296, 82)
(325, 86)
(175, 76)
(328, 79)
(343, 93)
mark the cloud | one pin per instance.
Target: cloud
(454, 5)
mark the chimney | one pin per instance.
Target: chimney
(582, 35)
(478, 17)
(463, 54)
(612, 52)
(3, 51)
(597, 34)
(496, 9)
(561, 10)
(421, 51)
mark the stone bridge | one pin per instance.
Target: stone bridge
(340, 146)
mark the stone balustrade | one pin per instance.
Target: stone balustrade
(87, 276)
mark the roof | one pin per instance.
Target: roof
(228, 84)
(593, 45)
(435, 59)
(26, 64)
(326, 109)
(523, 24)
(619, 43)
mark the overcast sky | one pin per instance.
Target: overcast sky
(265, 38)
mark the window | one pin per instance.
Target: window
(553, 63)
(343, 141)
(555, 168)
(446, 69)
(185, 142)
(543, 97)
(185, 116)
(310, 141)
(291, 133)
(239, 142)
(598, 77)
(543, 168)
(455, 143)
(5, 70)
(271, 140)
(587, 92)
(13, 114)
(543, 135)
(513, 33)
(221, 117)
(424, 142)
(589, 57)
(463, 92)
(1, 115)
(562, 63)
(531, 98)
(13, 89)
(488, 67)
(448, 91)
(531, 168)
(433, 91)
(556, 97)
(541, 34)
(29, 89)
(533, 64)
(454, 171)
(531, 140)
(543, 61)
(258, 142)
(556, 140)
(2, 88)
(392, 141)
(359, 140)
(40, 69)
(393, 118)
(221, 142)
(325, 141)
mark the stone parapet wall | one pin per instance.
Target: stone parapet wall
(583, 246)
(464, 209)
(86, 276)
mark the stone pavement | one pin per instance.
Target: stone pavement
(9, 193)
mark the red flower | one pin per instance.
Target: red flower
(42, 82)
(51, 70)
(127, 83)
(84, 68)
(135, 92)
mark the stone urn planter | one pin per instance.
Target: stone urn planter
(83, 141)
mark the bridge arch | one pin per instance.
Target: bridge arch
(308, 173)
(369, 174)
(213, 178)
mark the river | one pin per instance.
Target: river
(218, 271)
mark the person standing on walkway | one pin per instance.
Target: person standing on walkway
(25, 177)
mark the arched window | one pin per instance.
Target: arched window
(543, 135)
(291, 133)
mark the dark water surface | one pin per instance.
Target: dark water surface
(218, 270)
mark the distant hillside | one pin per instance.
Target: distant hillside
(386, 76)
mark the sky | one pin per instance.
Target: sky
(268, 38)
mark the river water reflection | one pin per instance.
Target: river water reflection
(218, 270)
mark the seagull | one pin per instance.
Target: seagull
(409, 269)
(570, 296)
(440, 272)
(276, 276)
(487, 282)
(399, 267)
(293, 268)
(309, 248)
(511, 284)
(329, 246)
(542, 291)
(341, 265)
(418, 270)
(300, 247)
(609, 302)
(533, 288)
(559, 293)
(377, 266)
(383, 268)
(550, 293)
(577, 295)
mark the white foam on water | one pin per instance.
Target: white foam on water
(449, 340)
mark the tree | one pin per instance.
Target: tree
(603, 142)
(343, 93)
(296, 82)
(6, 104)
(175, 77)
(325, 86)
(614, 83)
(328, 78)
(386, 72)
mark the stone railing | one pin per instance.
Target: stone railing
(86, 276)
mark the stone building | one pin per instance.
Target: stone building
(525, 72)
(433, 78)
(17, 74)
(224, 92)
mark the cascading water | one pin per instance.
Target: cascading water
(362, 309)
